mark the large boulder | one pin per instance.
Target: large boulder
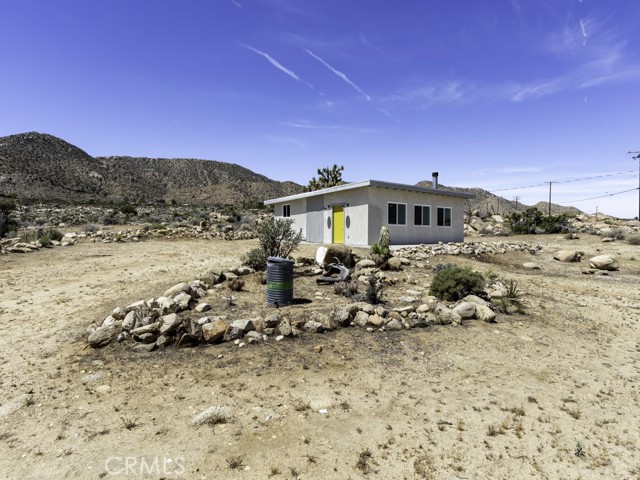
(604, 262)
(329, 254)
(466, 310)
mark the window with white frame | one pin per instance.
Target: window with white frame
(286, 210)
(422, 215)
(444, 217)
(397, 214)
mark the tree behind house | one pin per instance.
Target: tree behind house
(327, 177)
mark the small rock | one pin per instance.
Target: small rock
(103, 389)
(393, 325)
(203, 307)
(566, 256)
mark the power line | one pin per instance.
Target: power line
(566, 181)
(601, 196)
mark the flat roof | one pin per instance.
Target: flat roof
(371, 183)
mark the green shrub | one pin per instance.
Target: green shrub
(533, 221)
(45, 241)
(28, 236)
(255, 258)
(276, 238)
(7, 224)
(454, 283)
(633, 239)
(129, 210)
(52, 233)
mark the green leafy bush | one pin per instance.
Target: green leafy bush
(7, 224)
(45, 241)
(454, 283)
(129, 210)
(276, 238)
(533, 221)
(52, 233)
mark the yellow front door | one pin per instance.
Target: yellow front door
(338, 225)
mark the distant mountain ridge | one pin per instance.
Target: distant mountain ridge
(42, 167)
(489, 203)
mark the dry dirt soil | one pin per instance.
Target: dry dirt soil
(550, 394)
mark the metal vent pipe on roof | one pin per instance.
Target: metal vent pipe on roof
(435, 179)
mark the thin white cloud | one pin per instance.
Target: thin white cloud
(237, 4)
(309, 125)
(583, 28)
(449, 92)
(274, 62)
(286, 140)
(384, 112)
(340, 75)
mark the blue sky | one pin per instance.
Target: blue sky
(492, 94)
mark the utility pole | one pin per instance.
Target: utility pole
(637, 157)
(516, 199)
(549, 197)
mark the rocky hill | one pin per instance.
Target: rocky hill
(41, 167)
(487, 203)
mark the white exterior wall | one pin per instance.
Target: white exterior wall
(365, 212)
(411, 234)
(356, 208)
(298, 214)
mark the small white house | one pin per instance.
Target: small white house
(354, 213)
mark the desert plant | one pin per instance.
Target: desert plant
(90, 228)
(633, 239)
(346, 288)
(533, 220)
(373, 295)
(327, 177)
(129, 210)
(52, 233)
(454, 283)
(255, 258)
(45, 241)
(28, 236)
(7, 224)
(277, 239)
(513, 290)
(617, 234)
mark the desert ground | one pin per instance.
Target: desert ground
(552, 393)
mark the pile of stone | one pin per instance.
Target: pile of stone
(606, 227)
(489, 225)
(14, 245)
(180, 318)
(424, 252)
(137, 234)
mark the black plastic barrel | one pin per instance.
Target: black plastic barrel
(279, 281)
